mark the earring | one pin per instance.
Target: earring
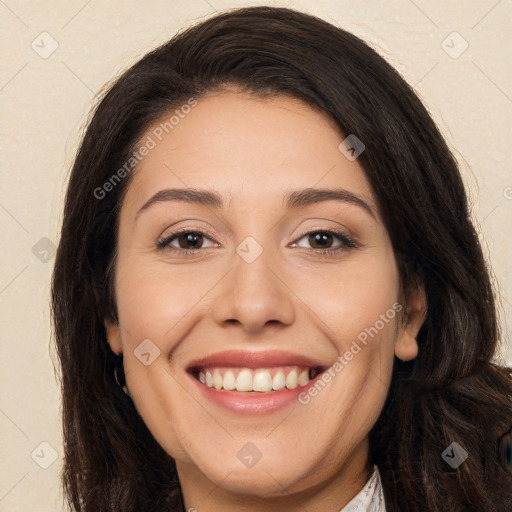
(119, 375)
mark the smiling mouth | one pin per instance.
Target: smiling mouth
(255, 380)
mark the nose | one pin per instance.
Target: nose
(254, 295)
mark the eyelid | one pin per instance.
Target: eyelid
(347, 240)
(163, 242)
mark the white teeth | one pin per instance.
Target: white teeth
(291, 380)
(244, 381)
(279, 381)
(262, 381)
(303, 377)
(229, 381)
(217, 379)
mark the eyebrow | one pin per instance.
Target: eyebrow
(294, 199)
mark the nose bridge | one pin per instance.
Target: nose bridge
(253, 295)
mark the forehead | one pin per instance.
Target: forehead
(247, 148)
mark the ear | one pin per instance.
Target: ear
(113, 336)
(406, 347)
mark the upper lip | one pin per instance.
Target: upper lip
(247, 359)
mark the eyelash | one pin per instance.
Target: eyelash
(348, 242)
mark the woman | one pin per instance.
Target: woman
(268, 293)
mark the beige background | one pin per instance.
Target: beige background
(44, 104)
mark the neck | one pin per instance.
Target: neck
(335, 490)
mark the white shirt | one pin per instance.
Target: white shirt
(370, 498)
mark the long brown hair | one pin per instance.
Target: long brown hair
(452, 392)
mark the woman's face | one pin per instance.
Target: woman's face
(248, 299)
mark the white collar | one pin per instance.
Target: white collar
(370, 498)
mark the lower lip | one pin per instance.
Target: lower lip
(256, 402)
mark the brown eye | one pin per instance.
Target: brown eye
(190, 240)
(324, 240)
(320, 240)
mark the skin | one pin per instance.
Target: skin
(252, 151)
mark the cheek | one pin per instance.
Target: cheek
(351, 298)
(360, 379)
(357, 307)
(160, 400)
(153, 298)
